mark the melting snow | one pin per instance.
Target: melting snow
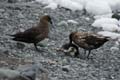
(109, 34)
(72, 5)
(103, 16)
(101, 21)
(110, 27)
(51, 6)
(98, 7)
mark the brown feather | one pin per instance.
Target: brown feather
(34, 34)
(87, 40)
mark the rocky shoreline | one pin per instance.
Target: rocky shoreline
(18, 16)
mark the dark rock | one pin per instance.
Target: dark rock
(116, 16)
(12, 1)
(20, 45)
(66, 68)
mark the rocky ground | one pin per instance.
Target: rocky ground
(18, 16)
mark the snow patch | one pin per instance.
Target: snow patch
(110, 34)
(51, 6)
(114, 4)
(110, 27)
(72, 5)
(101, 21)
(98, 7)
(95, 7)
(103, 16)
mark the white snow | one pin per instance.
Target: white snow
(66, 23)
(110, 34)
(97, 7)
(72, 5)
(69, 4)
(107, 24)
(45, 1)
(114, 4)
(103, 16)
(101, 21)
(110, 27)
(51, 6)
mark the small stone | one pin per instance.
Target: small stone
(12, 1)
(66, 68)
(20, 45)
(64, 61)
(63, 23)
(6, 52)
(117, 43)
(114, 49)
(2, 10)
(87, 18)
(84, 64)
(72, 21)
(43, 43)
(28, 71)
(20, 15)
(6, 15)
(9, 73)
(21, 30)
(51, 62)
(103, 79)
(54, 78)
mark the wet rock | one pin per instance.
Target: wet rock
(6, 15)
(63, 23)
(43, 43)
(2, 10)
(44, 76)
(12, 1)
(7, 73)
(114, 49)
(23, 73)
(20, 45)
(30, 71)
(66, 68)
(20, 15)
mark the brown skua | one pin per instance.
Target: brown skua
(86, 40)
(36, 33)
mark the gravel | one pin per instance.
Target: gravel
(17, 16)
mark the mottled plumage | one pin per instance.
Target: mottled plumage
(67, 46)
(87, 40)
(35, 34)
